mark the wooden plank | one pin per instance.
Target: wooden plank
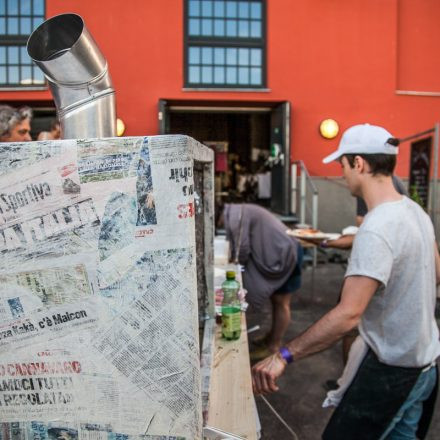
(206, 363)
(231, 403)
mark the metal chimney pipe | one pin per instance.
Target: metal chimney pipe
(78, 77)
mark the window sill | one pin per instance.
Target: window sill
(224, 89)
(22, 88)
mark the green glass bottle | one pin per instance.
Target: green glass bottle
(231, 308)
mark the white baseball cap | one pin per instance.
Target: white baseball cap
(363, 139)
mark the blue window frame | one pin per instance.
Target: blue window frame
(18, 19)
(225, 43)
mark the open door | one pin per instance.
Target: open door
(280, 148)
(163, 117)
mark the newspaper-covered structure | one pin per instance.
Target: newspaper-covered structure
(98, 289)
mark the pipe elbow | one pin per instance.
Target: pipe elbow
(78, 76)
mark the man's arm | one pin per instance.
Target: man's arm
(344, 242)
(356, 295)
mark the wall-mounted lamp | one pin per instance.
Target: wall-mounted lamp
(329, 128)
(120, 127)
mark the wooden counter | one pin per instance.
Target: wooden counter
(227, 399)
(231, 405)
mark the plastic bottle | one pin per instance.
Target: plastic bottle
(231, 308)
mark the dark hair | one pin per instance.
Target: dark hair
(10, 117)
(379, 163)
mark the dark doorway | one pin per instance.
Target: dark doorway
(42, 120)
(252, 155)
(241, 143)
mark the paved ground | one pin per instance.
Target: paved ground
(302, 386)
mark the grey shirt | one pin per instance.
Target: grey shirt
(395, 245)
(265, 250)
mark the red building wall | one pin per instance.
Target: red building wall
(343, 59)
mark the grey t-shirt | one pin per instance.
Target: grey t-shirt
(395, 245)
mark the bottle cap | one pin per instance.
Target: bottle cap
(230, 275)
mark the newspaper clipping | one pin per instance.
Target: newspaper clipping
(98, 294)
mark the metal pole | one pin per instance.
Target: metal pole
(315, 224)
(414, 136)
(435, 177)
(294, 187)
(315, 210)
(303, 195)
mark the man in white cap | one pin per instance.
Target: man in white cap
(389, 292)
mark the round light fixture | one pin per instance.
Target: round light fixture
(120, 127)
(329, 128)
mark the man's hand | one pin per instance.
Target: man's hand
(265, 373)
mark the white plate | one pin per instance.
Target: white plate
(308, 235)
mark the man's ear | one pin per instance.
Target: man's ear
(360, 164)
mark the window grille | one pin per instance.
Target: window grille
(225, 44)
(18, 19)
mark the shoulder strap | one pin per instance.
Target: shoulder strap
(240, 233)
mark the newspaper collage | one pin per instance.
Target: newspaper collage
(98, 294)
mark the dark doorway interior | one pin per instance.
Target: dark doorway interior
(44, 112)
(42, 120)
(241, 141)
(251, 140)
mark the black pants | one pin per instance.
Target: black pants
(372, 400)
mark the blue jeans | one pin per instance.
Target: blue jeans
(293, 283)
(404, 424)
